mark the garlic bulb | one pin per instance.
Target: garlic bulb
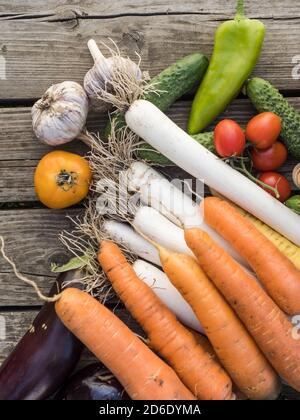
(101, 76)
(60, 115)
(296, 175)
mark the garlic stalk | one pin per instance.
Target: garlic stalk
(60, 115)
(103, 77)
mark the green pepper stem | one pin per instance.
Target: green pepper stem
(240, 9)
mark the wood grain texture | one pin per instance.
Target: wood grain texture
(20, 151)
(31, 240)
(39, 54)
(273, 9)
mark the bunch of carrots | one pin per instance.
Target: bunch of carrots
(250, 342)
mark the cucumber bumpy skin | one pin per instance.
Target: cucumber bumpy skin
(147, 153)
(266, 98)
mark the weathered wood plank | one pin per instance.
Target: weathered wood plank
(51, 51)
(57, 8)
(20, 151)
(17, 324)
(31, 240)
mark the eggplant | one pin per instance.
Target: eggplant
(45, 356)
(93, 382)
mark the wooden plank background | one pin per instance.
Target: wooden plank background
(43, 42)
(51, 50)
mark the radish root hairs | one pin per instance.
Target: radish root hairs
(84, 240)
(110, 156)
(109, 160)
(25, 279)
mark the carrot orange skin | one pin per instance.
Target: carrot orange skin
(143, 374)
(268, 325)
(278, 274)
(201, 373)
(231, 341)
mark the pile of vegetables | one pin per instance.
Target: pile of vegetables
(212, 281)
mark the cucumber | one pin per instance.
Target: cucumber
(294, 203)
(173, 82)
(178, 79)
(148, 154)
(266, 97)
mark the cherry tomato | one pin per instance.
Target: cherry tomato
(263, 130)
(275, 180)
(269, 159)
(229, 139)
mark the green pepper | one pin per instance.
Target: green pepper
(237, 48)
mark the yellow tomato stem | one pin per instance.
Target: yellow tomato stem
(66, 180)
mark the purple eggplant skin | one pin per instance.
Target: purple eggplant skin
(93, 383)
(45, 356)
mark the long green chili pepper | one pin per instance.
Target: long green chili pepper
(237, 47)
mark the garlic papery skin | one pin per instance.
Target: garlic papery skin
(60, 115)
(296, 175)
(102, 76)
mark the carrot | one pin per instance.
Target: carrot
(194, 365)
(277, 273)
(268, 325)
(232, 343)
(143, 374)
(290, 250)
(203, 341)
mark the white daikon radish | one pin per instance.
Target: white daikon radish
(169, 295)
(161, 230)
(158, 193)
(139, 174)
(153, 126)
(125, 235)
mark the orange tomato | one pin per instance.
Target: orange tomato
(62, 179)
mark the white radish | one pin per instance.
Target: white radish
(152, 125)
(168, 294)
(157, 192)
(125, 235)
(139, 174)
(160, 230)
(160, 194)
